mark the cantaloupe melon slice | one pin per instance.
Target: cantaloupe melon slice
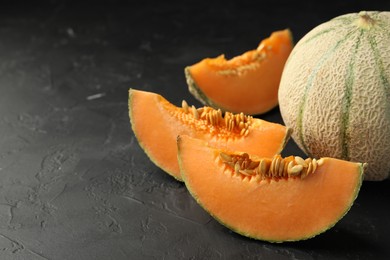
(156, 123)
(273, 199)
(247, 83)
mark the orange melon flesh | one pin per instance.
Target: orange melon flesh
(287, 209)
(156, 123)
(248, 83)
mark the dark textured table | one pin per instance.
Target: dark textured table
(74, 184)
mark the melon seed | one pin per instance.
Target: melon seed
(253, 164)
(237, 167)
(225, 157)
(247, 172)
(195, 112)
(290, 165)
(299, 160)
(201, 111)
(184, 105)
(308, 171)
(263, 167)
(295, 170)
(320, 162)
(281, 168)
(314, 162)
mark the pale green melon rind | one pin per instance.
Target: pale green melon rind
(348, 90)
(372, 45)
(194, 89)
(271, 240)
(141, 144)
(286, 139)
(382, 74)
(311, 78)
(348, 94)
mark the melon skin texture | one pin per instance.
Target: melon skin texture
(246, 83)
(335, 91)
(271, 209)
(156, 124)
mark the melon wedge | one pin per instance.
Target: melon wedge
(156, 123)
(247, 83)
(275, 207)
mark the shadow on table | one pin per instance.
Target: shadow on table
(342, 242)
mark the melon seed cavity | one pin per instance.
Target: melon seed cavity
(239, 123)
(277, 167)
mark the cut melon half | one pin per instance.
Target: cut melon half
(272, 199)
(247, 83)
(156, 123)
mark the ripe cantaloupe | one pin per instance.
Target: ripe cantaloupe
(274, 199)
(156, 123)
(335, 91)
(247, 83)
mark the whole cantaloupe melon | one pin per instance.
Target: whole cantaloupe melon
(335, 91)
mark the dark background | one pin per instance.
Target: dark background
(74, 184)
